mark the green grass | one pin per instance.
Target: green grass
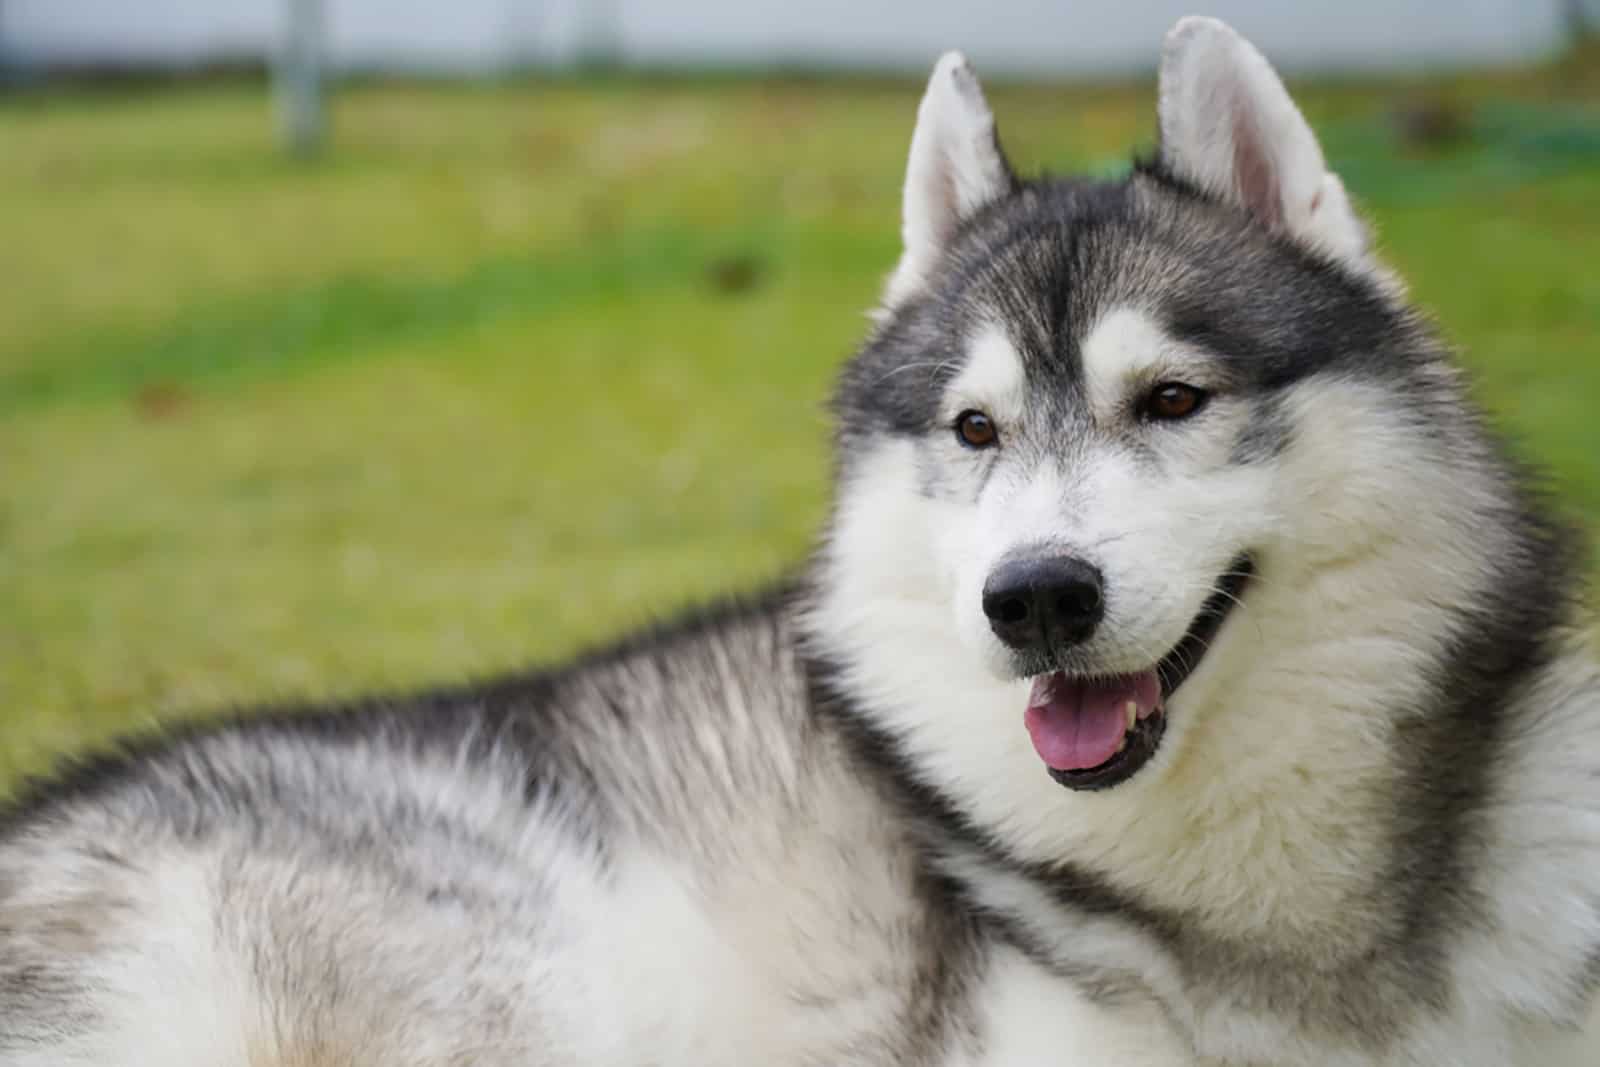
(465, 395)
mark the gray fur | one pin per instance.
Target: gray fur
(714, 843)
(298, 815)
(1046, 262)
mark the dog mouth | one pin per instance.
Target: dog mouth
(1097, 732)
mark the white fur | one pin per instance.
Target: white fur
(1228, 124)
(179, 1001)
(991, 379)
(648, 959)
(1099, 504)
(1126, 352)
(1029, 1016)
(955, 167)
(1260, 815)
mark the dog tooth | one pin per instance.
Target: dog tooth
(1132, 709)
(1122, 744)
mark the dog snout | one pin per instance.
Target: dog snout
(1040, 602)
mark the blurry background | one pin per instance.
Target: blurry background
(352, 344)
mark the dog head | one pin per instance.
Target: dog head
(1100, 430)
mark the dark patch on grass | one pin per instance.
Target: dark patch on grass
(736, 274)
(160, 400)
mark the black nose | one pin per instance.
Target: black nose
(1044, 600)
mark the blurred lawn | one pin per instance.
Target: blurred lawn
(519, 365)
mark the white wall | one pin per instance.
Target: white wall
(162, 32)
(1064, 37)
(1099, 35)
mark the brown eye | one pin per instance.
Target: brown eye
(1170, 401)
(976, 430)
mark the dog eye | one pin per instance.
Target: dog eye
(976, 430)
(1171, 401)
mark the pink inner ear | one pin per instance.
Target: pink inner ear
(1254, 174)
(947, 196)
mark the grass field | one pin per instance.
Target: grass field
(518, 365)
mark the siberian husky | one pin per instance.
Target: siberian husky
(1185, 676)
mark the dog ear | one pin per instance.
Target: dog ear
(1229, 126)
(956, 167)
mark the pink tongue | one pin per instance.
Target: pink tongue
(1077, 723)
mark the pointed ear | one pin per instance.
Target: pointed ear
(1228, 125)
(955, 168)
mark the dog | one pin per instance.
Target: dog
(1185, 676)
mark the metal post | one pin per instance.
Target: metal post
(1580, 16)
(599, 44)
(299, 78)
